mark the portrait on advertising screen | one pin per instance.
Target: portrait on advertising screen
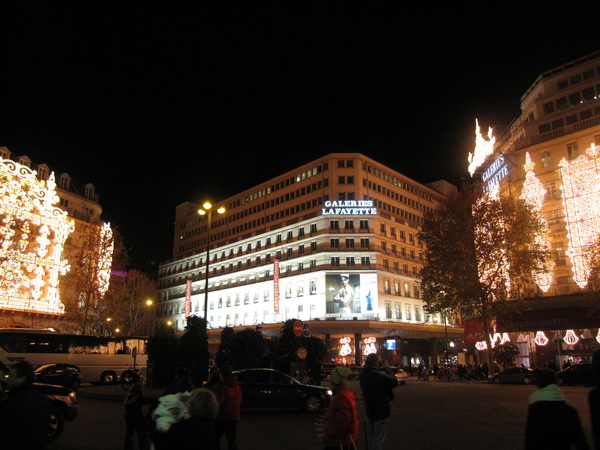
(343, 294)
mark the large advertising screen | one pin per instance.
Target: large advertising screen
(351, 295)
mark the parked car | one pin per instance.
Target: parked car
(66, 375)
(577, 374)
(63, 402)
(269, 388)
(514, 375)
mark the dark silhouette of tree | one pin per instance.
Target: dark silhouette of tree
(162, 352)
(248, 349)
(193, 349)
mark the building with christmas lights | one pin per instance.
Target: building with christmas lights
(549, 157)
(332, 243)
(52, 271)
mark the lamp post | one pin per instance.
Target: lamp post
(207, 210)
(150, 304)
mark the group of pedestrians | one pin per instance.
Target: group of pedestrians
(184, 416)
(341, 422)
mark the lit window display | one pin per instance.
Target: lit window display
(33, 232)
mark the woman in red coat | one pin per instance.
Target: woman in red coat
(341, 423)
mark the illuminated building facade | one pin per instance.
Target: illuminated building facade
(549, 158)
(332, 243)
(52, 213)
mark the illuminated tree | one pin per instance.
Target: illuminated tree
(481, 250)
(91, 264)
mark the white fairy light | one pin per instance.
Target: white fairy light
(580, 180)
(482, 345)
(483, 148)
(370, 346)
(345, 350)
(33, 232)
(540, 338)
(533, 195)
(571, 338)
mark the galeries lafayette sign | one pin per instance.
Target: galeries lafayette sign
(350, 207)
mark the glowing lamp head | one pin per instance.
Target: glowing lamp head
(221, 210)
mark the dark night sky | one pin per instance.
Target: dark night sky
(157, 105)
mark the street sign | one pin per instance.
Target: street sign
(302, 353)
(298, 328)
(306, 330)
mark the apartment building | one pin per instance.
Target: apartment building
(332, 243)
(549, 156)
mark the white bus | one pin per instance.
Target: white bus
(103, 359)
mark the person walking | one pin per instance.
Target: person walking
(229, 397)
(551, 422)
(377, 392)
(24, 412)
(341, 423)
(134, 417)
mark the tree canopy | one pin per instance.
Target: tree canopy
(481, 250)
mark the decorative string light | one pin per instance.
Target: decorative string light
(581, 201)
(370, 346)
(533, 195)
(598, 336)
(483, 148)
(482, 345)
(571, 338)
(105, 255)
(345, 350)
(33, 232)
(540, 338)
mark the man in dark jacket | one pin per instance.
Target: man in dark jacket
(377, 392)
(551, 422)
(25, 413)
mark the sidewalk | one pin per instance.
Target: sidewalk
(114, 392)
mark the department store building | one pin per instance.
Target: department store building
(333, 243)
(549, 156)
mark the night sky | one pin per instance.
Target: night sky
(158, 105)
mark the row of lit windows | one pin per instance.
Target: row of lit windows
(396, 182)
(577, 78)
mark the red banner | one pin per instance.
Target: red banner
(276, 285)
(188, 298)
(474, 331)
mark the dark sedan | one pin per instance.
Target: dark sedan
(66, 375)
(577, 374)
(63, 402)
(514, 375)
(269, 388)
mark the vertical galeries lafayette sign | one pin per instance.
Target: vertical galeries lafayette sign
(276, 285)
(188, 298)
(349, 207)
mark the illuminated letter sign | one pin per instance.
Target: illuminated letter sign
(276, 285)
(495, 173)
(349, 207)
(188, 298)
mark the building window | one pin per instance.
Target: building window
(388, 310)
(551, 192)
(548, 108)
(365, 261)
(382, 229)
(386, 286)
(408, 312)
(559, 254)
(349, 243)
(313, 246)
(406, 290)
(313, 228)
(334, 225)
(397, 287)
(335, 261)
(417, 313)
(546, 158)
(572, 150)
(350, 261)
(398, 307)
(364, 243)
(334, 243)
(349, 225)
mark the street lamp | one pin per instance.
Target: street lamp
(149, 304)
(207, 210)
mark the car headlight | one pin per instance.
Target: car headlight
(329, 393)
(73, 396)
